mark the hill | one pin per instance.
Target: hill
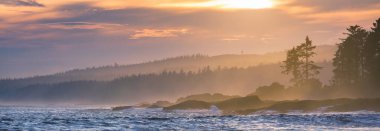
(185, 63)
(165, 79)
(151, 87)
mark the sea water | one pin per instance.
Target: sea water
(93, 118)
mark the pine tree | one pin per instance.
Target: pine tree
(292, 66)
(372, 55)
(349, 59)
(306, 53)
(299, 63)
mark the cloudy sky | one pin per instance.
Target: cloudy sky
(47, 36)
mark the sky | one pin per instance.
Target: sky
(40, 37)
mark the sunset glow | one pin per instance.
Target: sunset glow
(228, 4)
(43, 30)
(245, 4)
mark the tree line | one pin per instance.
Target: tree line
(165, 85)
(356, 64)
(357, 59)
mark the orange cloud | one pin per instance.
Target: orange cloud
(236, 37)
(158, 33)
(339, 17)
(333, 12)
(83, 25)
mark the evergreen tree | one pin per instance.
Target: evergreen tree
(306, 53)
(300, 65)
(292, 66)
(372, 55)
(349, 59)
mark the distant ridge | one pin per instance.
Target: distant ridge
(163, 85)
(185, 63)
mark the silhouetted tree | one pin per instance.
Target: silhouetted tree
(292, 65)
(349, 59)
(372, 55)
(306, 53)
(299, 63)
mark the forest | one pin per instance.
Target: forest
(356, 69)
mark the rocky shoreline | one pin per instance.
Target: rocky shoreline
(252, 104)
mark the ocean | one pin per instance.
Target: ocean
(95, 118)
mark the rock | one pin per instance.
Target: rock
(189, 105)
(118, 108)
